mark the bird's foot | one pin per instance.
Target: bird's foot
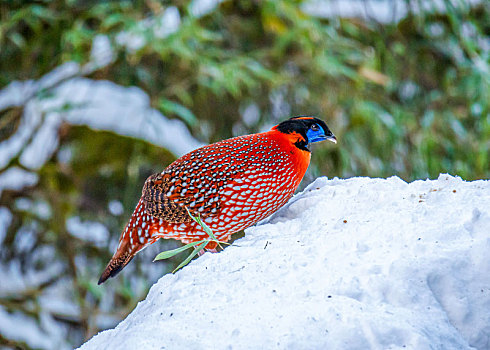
(201, 252)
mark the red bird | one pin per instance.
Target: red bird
(231, 184)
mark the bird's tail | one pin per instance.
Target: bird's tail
(139, 233)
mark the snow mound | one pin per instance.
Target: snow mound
(347, 264)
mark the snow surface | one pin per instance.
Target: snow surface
(89, 231)
(15, 178)
(347, 264)
(98, 104)
(383, 11)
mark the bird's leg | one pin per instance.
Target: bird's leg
(201, 252)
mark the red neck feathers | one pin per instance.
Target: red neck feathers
(300, 158)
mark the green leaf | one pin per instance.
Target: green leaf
(183, 112)
(206, 228)
(17, 39)
(170, 253)
(191, 256)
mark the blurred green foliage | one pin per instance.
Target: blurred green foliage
(409, 98)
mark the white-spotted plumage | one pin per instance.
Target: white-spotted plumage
(231, 184)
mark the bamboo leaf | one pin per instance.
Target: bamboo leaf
(206, 228)
(191, 256)
(170, 253)
(183, 112)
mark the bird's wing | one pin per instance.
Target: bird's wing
(167, 196)
(198, 180)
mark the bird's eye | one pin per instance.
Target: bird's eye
(315, 127)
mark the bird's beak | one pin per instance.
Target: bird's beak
(332, 138)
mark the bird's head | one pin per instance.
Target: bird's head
(306, 130)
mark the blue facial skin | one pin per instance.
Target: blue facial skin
(316, 135)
